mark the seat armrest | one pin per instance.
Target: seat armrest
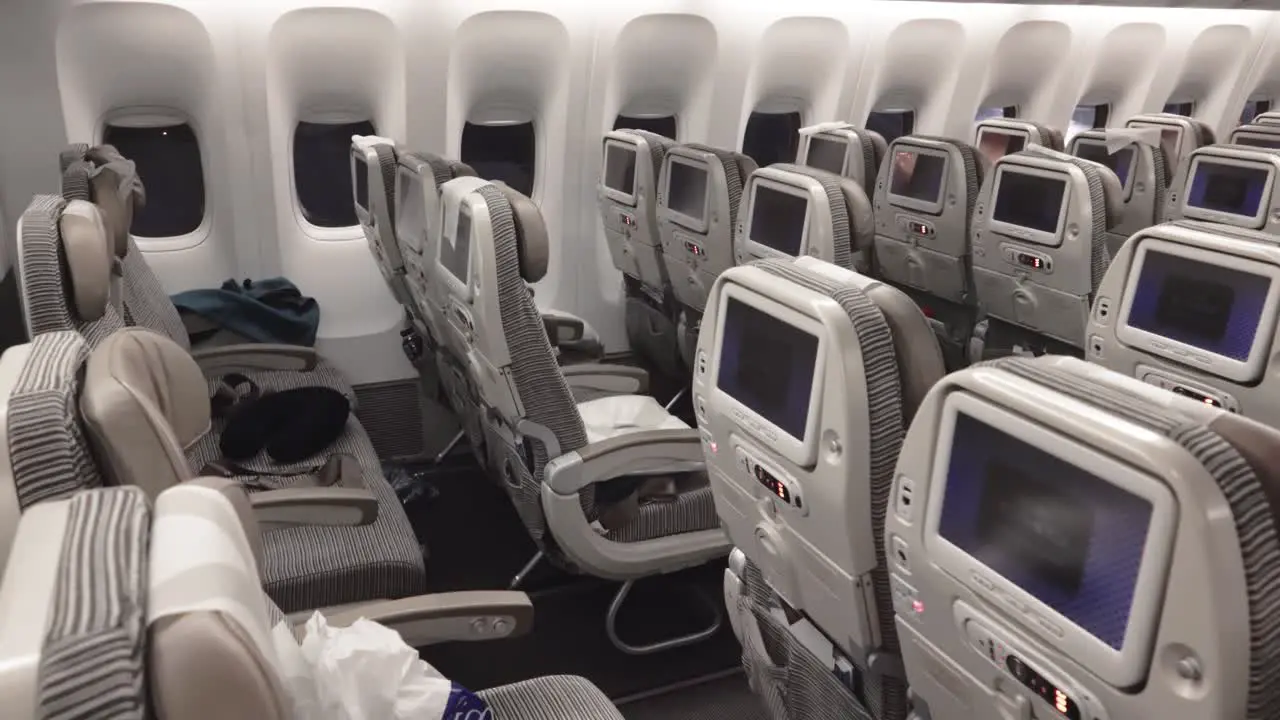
(655, 451)
(572, 334)
(606, 379)
(225, 359)
(445, 617)
(291, 507)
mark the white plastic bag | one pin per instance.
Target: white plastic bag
(365, 672)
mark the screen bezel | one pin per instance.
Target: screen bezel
(458, 287)
(1256, 221)
(1097, 142)
(363, 213)
(1018, 232)
(1256, 135)
(618, 196)
(761, 250)
(839, 139)
(933, 208)
(410, 183)
(984, 130)
(1123, 667)
(689, 223)
(1229, 368)
(803, 452)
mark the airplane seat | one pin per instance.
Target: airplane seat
(1137, 158)
(1039, 252)
(1267, 118)
(698, 202)
(1072, 543)
(613, 487)
(1179, 137)
(844, 149)
(924, 199)
(806, 382)
(1229, 185)
(373, 183)
(629, 190)
(113, 185)
(1191, 307)
(1256, 135)
(419, 178)
(997, 137)
(795, 210)
(127, 609)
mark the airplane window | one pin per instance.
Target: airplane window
(502, 151)
(168, 162)
(772, 137)
(1087, 117)
(1182, 108)
(664, 125)
(892, 124)
(322, 171)
(1253, 109)
(989, 113)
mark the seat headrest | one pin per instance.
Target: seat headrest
(87, 249)
(145, 401)
(208, 617)
(117, 191)
(532, 241)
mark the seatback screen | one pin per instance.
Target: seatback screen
(620, 168)
(1214, 308)
(767, 365)
(827, 154)
(456, 256)
(917, 175)
(777, 219)
(1121, 162)
(1233, 189)
(411, 211)
(362, 184)
(995, 144)
(1262, 141)
(1068, 538)
(687, 189)
(1030, 201)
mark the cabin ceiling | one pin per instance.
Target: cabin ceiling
(1212, 4)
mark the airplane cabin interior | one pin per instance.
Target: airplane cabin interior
(648, 360)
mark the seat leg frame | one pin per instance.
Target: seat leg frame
(620, 598)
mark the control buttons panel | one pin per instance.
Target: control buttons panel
(1027, 260)
(1063, 697)
(914, 227)
(492, 626)
(779, 484)
(906, 600)
(1102, 310)
(1190, 389)
(627, 221)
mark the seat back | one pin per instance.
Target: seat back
(528, 415)
(419, 178)
(109, 180)
(1179, 137)
(373, 188)
(1230, 185)
(1090, 545)
(132, 612)
(699, 196)
(1137, 158)
(1267, 118)
(144, 401)
(64, 269)
(1039, 246)
(809, 374)
(46, 453)
(1192, 307)
(997, 137)
(794, 210)
(844, 149)
(1256, 135)
(628, 196)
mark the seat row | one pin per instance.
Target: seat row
(106, 410)
(1029, 537)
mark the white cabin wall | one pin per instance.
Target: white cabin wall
(245, 71)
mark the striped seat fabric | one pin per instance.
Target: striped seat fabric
(134, 611)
